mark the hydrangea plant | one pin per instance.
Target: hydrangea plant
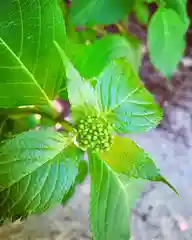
(42, 58)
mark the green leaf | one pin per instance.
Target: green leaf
(166, 40)
(37, 168)
(142, 13)
(111, 200)
(30, 66)
(90, 60)
(125, 101)
(81, 94)
(24, 123)
(86, 12)
(82, 174)
(127, 158)
(180, 6)
(63, 94)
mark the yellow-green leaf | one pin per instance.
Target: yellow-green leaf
(128, 158)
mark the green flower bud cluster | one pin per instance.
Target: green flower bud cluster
(94, 133)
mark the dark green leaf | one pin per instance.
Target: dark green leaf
(86, 12)
(69, 194)
(180, 6)
(81, 95)
(90, 60)
(112, 198)
(24, 123)
(142, 13)
(46, 122)
(82, 174)
(63, 94)
(125, 101)
(37, 168)
(166, 40)
(30, 66)
(127, 158)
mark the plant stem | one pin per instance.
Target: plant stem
(99, 30)
(43, 111)
(121, 28)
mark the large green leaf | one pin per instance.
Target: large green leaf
(90, 60)
(37, 168)
(166, 40)
(30, 66)
(127, 158)
(124, 100)
(80, 92)
(86, 12)
(180, 6)
(112, 198)
(82, 174)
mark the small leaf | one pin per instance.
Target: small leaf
(111, 200)
(166, 40)
(142, 13)
(81, 94)
(86, 12)
(125, 101)
(30, 66)
(127, 158)
(37, 168)
(92, 59)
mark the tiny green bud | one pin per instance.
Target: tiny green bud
(106, 149)
(106, 144)
(85, 142)
(93, 144)
(81, 126)
(93, 127)
(100, 129)
(94, 137)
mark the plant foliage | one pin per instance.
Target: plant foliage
(49, 50)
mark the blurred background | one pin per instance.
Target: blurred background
(159, 214)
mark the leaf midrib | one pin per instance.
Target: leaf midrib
(26, 70)
(124, 99)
